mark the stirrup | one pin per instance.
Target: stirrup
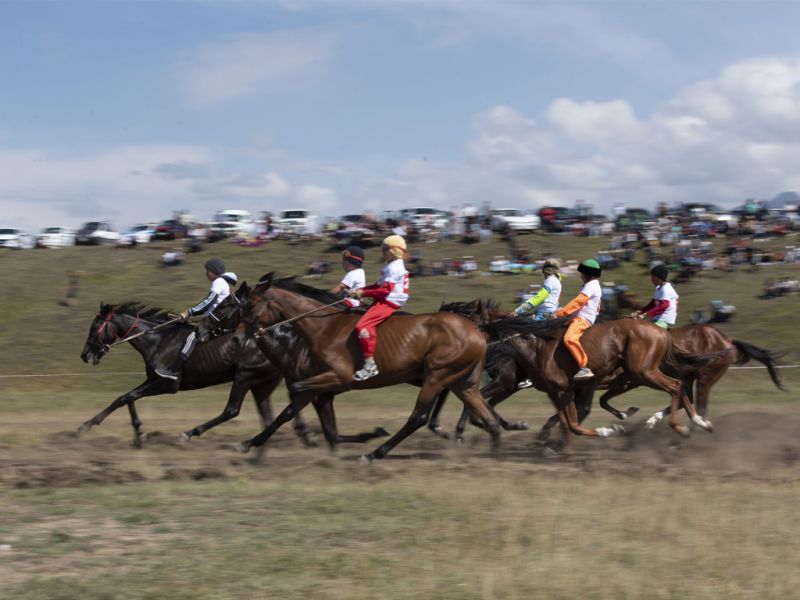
(525, 383)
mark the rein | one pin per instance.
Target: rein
(262, 330)
(127, 337)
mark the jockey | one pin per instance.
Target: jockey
(545, 302)
(388, 294)
(221, 284)
(663, 308)
(354, 277)
(587, 303)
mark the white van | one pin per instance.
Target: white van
(241, 220)
(298, 221)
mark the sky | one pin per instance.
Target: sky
(128, 111)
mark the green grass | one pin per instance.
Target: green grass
(40, 336)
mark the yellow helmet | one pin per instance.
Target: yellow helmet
(396, 245)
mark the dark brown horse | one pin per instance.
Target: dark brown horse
(633, 347)
(434, 351)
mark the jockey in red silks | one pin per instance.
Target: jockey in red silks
(388, 294)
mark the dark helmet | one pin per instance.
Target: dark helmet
(660, 272)
(215, 265)
(354, 255)
(590, 267)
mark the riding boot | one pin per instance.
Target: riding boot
(584, 373)
(174, 372)
(370, 369)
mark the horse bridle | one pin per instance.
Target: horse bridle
(108, 325)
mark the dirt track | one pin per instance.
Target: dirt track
(762, 445)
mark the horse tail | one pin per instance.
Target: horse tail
(745, 351)
(679, 357)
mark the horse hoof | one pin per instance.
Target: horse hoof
(608, 431)
(380, 432)
(365, 459)
(84, 428)
(701, 422)
(631, 411)
(543, 435)
(516, 426)
(242, 448)
(460, 440)
(440, 432)
(549, 453)
(310, 440)
(683, 430)
(653, 421)
(184, 438)
(139, 439)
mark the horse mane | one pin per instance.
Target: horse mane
(143, 310)
(550, 328)
(469, 309)
(292, 285)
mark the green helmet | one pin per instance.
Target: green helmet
(590, 267)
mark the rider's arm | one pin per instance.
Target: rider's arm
(204, 305)
(533, 301)
(576, 303)
(377, 291)
(648, 306)
(659, 306)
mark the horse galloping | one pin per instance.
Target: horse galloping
(435, 351)
(220, 360)
(634, 347)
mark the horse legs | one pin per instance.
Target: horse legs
(658, 380)
(705, 381)
(618, 386)
(296, 403)
(327, 418)
(494, 393)
(433, 422)
(148, 388)
(418, 417)
(568, 414)
(583, 405)
(262, 393)
(231, 410)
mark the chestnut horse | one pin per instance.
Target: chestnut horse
(634, 347)
(434, 351)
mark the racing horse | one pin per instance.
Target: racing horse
(635, 348)
(222, 359)
(435, 351)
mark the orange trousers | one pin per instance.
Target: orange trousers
(572, 340)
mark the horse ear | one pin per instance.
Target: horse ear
(266, 280)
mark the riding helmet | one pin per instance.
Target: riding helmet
(660, 272)
(354, 255)
(590, 267)
(215, 265)
(396, 245)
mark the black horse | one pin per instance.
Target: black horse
(222, 359)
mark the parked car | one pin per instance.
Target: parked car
(298, 221)
(422, 216)
(138, 234)
(96, 232)
(512, 218)
(16, 239)
(240, 220)
(555, 218)
(55, 237)
(220, 231)
(171, 229)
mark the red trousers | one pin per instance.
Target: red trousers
(365, 328)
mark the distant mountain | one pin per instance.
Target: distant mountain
(784, 198)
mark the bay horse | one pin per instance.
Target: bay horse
(435, 351)
(221, 360)
(634, 347)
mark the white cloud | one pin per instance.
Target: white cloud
(253, 63)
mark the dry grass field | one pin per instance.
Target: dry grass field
(645, 515)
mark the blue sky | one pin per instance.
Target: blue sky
(130, 110)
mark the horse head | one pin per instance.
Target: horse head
(101, 334)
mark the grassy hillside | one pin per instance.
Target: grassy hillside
(38, 334)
